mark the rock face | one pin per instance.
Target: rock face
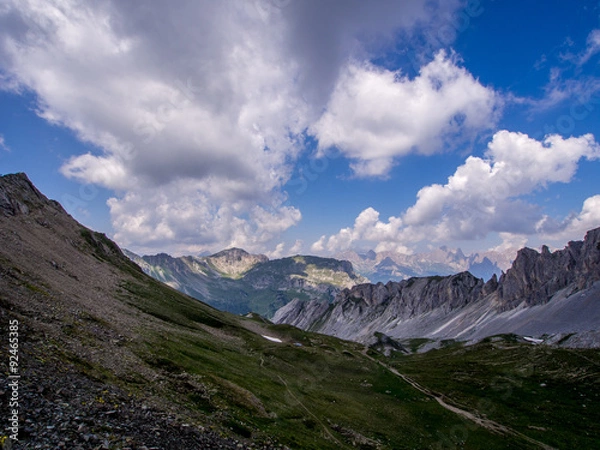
(18, 196)
(462, 306)
(535, 277)
(356, 309)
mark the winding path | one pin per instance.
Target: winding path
(481, 421)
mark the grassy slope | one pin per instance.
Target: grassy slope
(323, 394)
(549, 394)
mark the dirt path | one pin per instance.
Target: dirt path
(494, 427)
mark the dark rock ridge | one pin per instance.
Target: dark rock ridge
(535, 277)
(459, 305)
(18, 196)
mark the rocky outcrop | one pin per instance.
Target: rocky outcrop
(301, 314)
(18, 196)
(535, 277)
(463, 305)
(414, 296)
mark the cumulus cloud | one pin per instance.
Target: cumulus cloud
(198, 111)
(296, 247)
(375, 115)
(184, 217)
(485, 195)
(575, 226)
(319, 246)
(367, 227)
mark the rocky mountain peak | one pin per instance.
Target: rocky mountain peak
(234, 262)
(536, 276)
(18, 196)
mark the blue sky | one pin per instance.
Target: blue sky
(289, 126)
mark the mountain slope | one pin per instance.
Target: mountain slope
(542, 293)
(111, 358)
(238, 282)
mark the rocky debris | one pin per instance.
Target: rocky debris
(83, 382)
(62, 408)
(385, 344)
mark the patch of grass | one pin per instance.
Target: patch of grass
(167, 304)
(36, 289)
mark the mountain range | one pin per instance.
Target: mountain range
(234, 280)
(393, 266)
(109, 358)
(554, 295)
(239, 282)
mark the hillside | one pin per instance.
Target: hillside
(238, 282)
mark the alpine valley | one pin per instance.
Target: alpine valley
(111, 358)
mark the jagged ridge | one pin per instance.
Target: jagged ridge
(421, 307)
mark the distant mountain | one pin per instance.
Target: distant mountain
(236, 281)
(393, 266)
(541, 294)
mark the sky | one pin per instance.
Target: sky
(308, 126)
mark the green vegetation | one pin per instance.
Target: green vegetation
(262, 288)
(309, 392)
(549, 394)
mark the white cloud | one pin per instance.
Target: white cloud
(277, 253)
(198, 110)
(185, 218)
(297, 247)
(484, 196)
(3, 145)
(575, 227)
(564, 86)
(367, 227)
(319, 246)
(593, 47)
(510, 241)
(375, 115)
